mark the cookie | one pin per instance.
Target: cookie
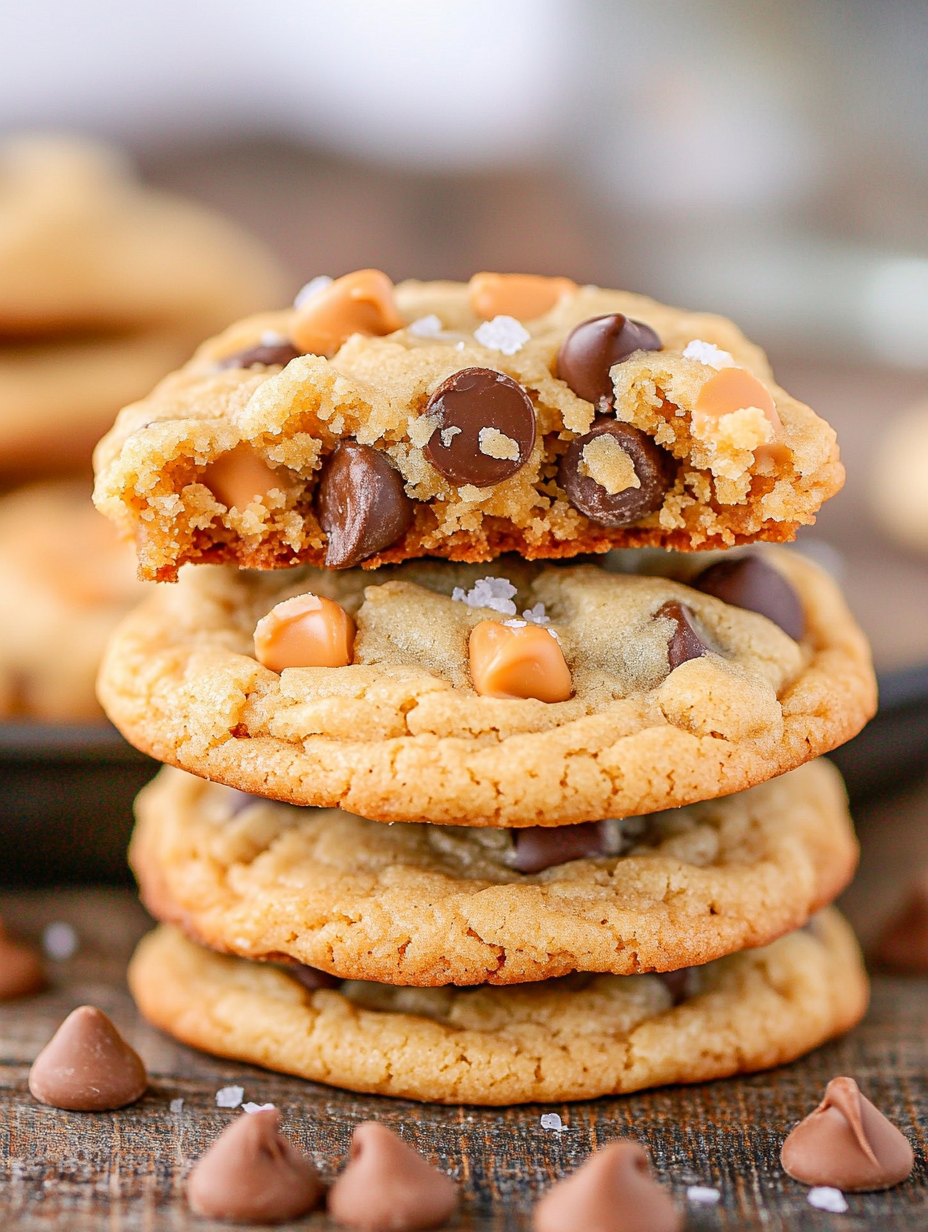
(372, 424)
(104, 287)
(66, 581)
(401, 734)
(430, 905)
(575, 1038)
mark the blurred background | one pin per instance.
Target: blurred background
(765, 160)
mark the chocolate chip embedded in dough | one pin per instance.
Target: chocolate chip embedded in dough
(593, 347)
(847, 1143)
(277, 353)
(653, 469)
(613, 1191)
(540, 847)
(685, 643)
(484, 427)
(676, 983)
(87, 1066)
(312, 978)
(361, 504)
(252, 1174)
(752, 584)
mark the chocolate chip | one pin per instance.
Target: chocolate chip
(277, 353)
(676, 983)
(312, 978)
(751, 583)
(653, 468)
(87, 1066)
(485, 427)
(594, 346)
(360, 503)
(685, 643)
(540, 847)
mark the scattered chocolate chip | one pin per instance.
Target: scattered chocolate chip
(903, 943)
(361, 504)
(613, 1191)
(21, 970)
(685, 643)
(312, 978)
(484, 427)
(276, 353)
(387, 1185)
(751, 583)
(593, 347)
(652, 465)
(540, 847)
(847, 1144)
(252, 1174)
(87, 1066)
(676, 982)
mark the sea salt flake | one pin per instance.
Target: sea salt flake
(426, 327)
(551, 1120)
(459, 346)
(250, 1107)
(824, 1198)
(229, 1097)
(515, 624)
(504, 334)
(492, 592)
(536, 615)
(703, 1194)
(271, 337)
(311, 288)
(177, 1106)
(709, 354)
(59, 941)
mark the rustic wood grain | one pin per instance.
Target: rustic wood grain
(124, 1171)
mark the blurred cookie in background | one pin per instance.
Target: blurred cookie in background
(65, 581)
(899, 482)
(105, 286)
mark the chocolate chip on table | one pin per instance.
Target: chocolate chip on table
(360, 503)
(593, 347)
(541, 847)
(21, 970)
(653, 468)
(685, 643)
(87, 1066)
(484, 427)
(750, 583)
(276, 353)
(613, 1190)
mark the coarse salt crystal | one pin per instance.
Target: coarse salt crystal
(491, 592)
(426, 327)
(708, 353)
(271, 337)
(177, 1106)
(703, 1194)
(515, 624)
(536, 615)
(824, 1198)
(504, 334)
(250, 1107)
(229, 1097)
(551, 1120)
(311, 288)
(59, 941)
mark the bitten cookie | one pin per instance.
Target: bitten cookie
(372, 424)
(575, 1038)
(66, 581)
(430, 905)
(672, 694)
(104, 287)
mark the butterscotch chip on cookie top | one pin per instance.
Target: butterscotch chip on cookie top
(373, 423)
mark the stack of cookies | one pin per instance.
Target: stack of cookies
(473, 560)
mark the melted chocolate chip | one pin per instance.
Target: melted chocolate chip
(594, 346)
(277, 353)
(685, 643)
(312, 978)
(361, 504)
(485, 427)
(540, 847)
(751, 583)
(653, 467)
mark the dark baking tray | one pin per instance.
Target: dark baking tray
(66, 791)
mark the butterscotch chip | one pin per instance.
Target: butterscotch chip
(484, 478)
(523, 296)
(305, 631)
(180, 681)
(240, 477)
(431, 905)
(518, 660)
(547, 1041)
(359, 303)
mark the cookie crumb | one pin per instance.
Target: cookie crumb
(229, 1097)
(709, 354)
(496, 444)
(703, 1194)
(825, 1198)
(492, 592)
(311, 288)
(504, 334)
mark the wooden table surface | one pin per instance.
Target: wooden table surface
(124, 1171)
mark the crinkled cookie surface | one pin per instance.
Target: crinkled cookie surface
(547, 1041)
(401, 735)
(719, 481)
(429, 905)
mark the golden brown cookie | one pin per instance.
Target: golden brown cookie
(104, 287)
(417, 426)
(66, 581)
(574, 1038)
(400, 734)
(430, 905)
